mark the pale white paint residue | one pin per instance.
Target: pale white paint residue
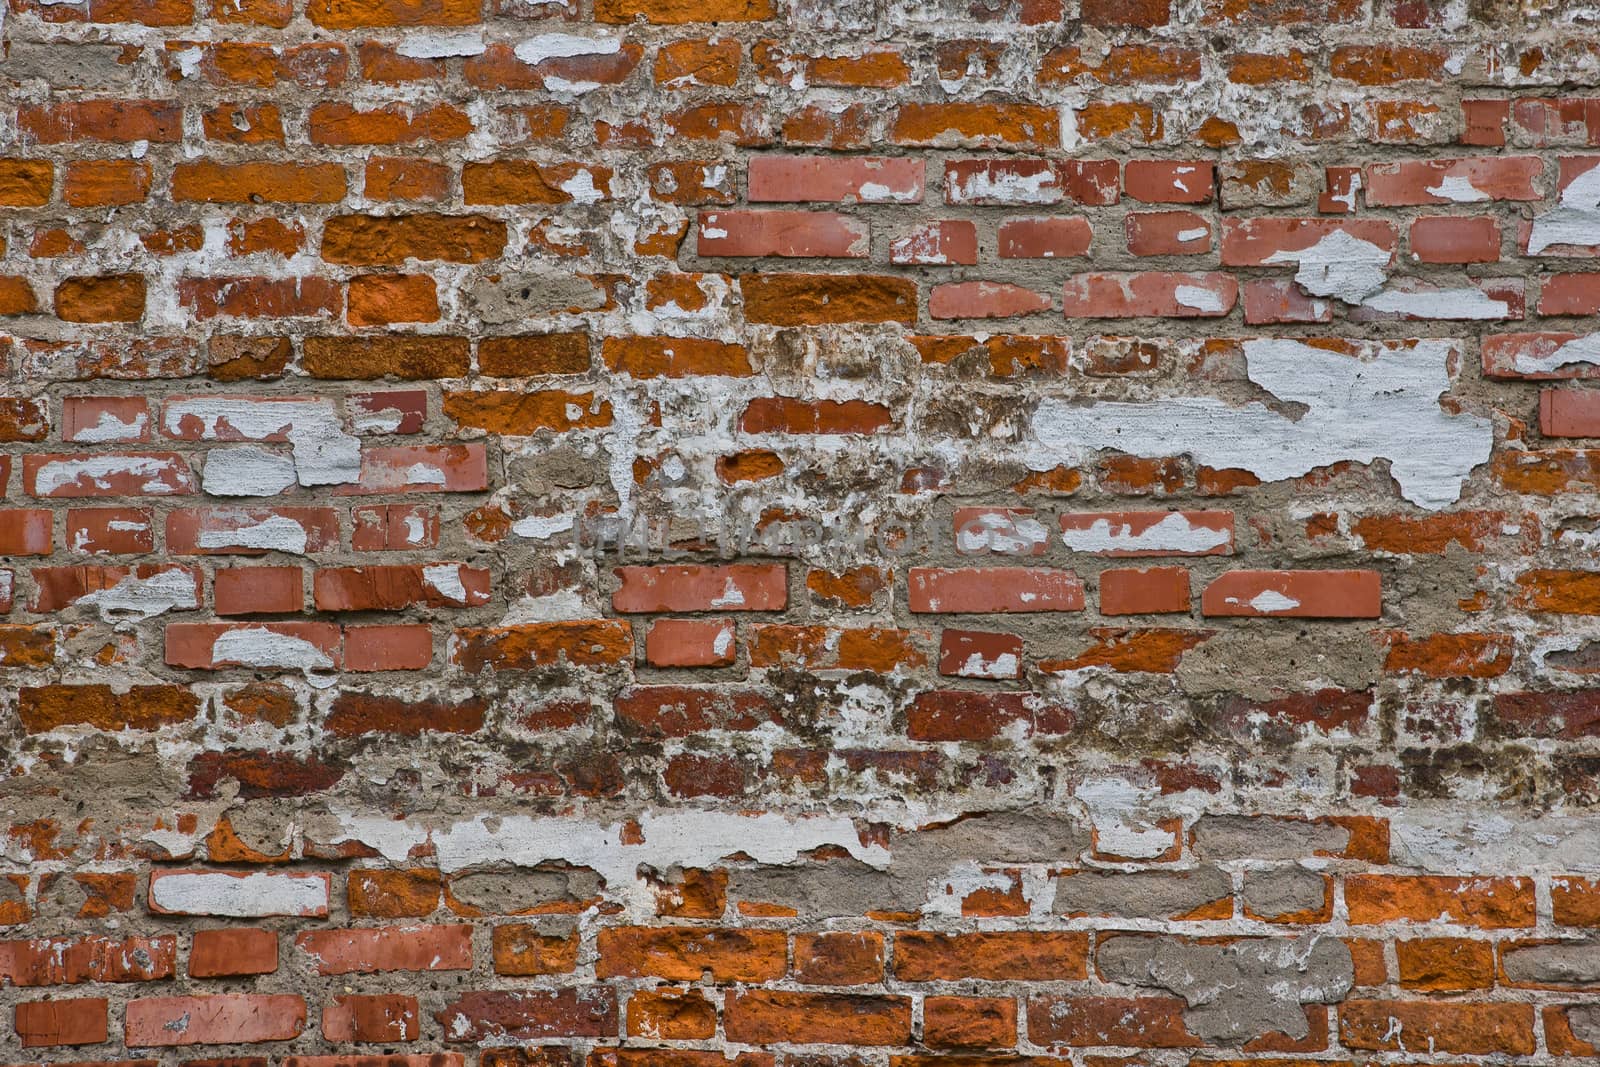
(1115, 808)
(1173, 533)
(1458, 190)
(1001, 533)
(1006, 187)
(1268, 601)
(1338, 265)
(99, 470)
(723, 641)
(542, 527)
(416, 529)
(256, 646)
(323, 453)
(732, 596)
(1574, 221)
(614, 850)
(582, 189)
(1467, 303)
(1358, 410)
(110, 428)
(445, 579)
(247, 472)
(1198, 297)
(277, 533)
(252, 896)
(1193, 235)
(144, 598)
(1584, 349)
(442, 45)
(424, 474)
(1002, 666)
(880, 193)
(536, 50)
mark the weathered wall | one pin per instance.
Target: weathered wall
(799, 533)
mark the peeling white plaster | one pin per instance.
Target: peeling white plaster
(144, 598)
(1455, 188)
(1199, 298)
(110, 428)
(1465, 303)
(614, 850)
(277, 533)
(1002, 533)
(323, 453)
(1356, 410)
(99, 470)
(255, 895)
(1338, 265)
(247, 472)
(1174, 533)
(536, 50)
(445, 579)
(1584, 349)
(1574, 221)
(256, 646)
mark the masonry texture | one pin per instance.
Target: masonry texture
(799, 533)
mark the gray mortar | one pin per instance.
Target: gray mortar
(1240, 991)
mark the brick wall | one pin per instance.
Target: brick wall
(799, 533)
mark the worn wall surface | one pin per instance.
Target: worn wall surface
(799, 533)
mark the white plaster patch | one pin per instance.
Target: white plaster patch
(1356, 410)
(277, 533)
(247, 472)
(1459, 190)
(535, 50)
(1174, 533)
(445, 579)
(144, 598)
(660, 840)
(1584, 349)
(255, 895)
(542, 527)
(1268, 601)
(1114, 805)
(323, 453)
(1574, 221)
(1006, 187)
(110, 428)
(256, 646)
(99, 470)
(1199, 298)
(1001, 533)
(441, 45)
(1338, 265)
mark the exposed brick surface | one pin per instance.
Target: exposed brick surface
(799, 533)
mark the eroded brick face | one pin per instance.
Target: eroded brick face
(799, 533)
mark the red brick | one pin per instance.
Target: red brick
(1157, 293)
(1162, 182)
(1432, 1027)
(993, 589)
(1458, 181)
(1136, 1022)
(530, 1015)
(769, 1016)
(942, 243)
(46, 1023)
(1167, 233)
(1294, 594)
(1044, 238)
(984, 300)
(257, 590)
(970, 654)
(373, 1018)
(782, 233)
(733, 587)
(1457, 239)
(234, 1019)
(1154, 591)
(1569, 412)
(233, 952)
(377, 950)
(689, 643)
